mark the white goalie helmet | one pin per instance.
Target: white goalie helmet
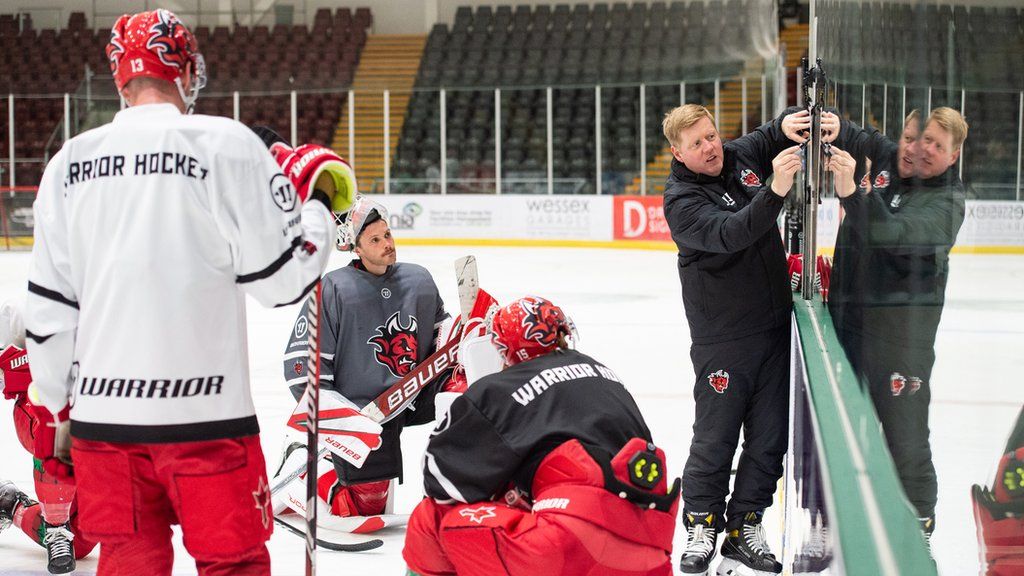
(351, 223)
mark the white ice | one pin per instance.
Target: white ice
(626, 304)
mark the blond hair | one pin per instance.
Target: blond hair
(914, 115)
(951, 121)
(681, 118)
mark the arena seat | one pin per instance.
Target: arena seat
(232, 64)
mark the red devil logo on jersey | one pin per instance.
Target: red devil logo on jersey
(865, 182)
(882, 180)
(541, 322)
(897, 382)
(749, 178)
(395, 345)
(719, 381)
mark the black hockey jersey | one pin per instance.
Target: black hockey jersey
(506, 423)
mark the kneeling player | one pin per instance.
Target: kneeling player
(53, 523)
(379, 319)
(545, 467)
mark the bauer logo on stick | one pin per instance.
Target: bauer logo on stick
(719, 381)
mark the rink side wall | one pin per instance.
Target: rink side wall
(629, 222)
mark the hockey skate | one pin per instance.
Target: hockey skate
(745, 550)
(60, 553)
(11, 499)
(815, 556)
(701, 538)
(927, 527)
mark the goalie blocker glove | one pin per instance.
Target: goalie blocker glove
(316, 172)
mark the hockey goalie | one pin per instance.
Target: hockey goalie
(352, 496)
(543, 467)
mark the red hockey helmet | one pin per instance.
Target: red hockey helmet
(528, 328)
(155, 44)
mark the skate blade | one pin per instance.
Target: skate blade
(730, 567)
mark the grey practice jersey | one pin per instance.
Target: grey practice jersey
(373, 330)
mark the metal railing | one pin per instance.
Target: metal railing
(608, 169)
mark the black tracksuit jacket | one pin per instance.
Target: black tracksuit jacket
(732, 262)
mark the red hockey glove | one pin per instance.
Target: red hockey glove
(14, 373)
(457, 383)
(795, 264)
(52, 450)
(824, 276)
(795, 269)
(311, 167)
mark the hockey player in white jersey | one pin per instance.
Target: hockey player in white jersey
(149, 232)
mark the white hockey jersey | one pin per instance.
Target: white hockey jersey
(147, 232)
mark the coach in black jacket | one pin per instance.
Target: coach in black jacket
(890, 274)
(732, 266)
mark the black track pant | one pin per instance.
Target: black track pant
(898, 376)
(741, 384)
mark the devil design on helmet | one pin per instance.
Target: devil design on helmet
(528, 328)
(155, 44)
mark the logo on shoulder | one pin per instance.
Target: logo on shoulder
(301, 327)
(749, 179)
(283, 193)
(865, 182)
(882, 179)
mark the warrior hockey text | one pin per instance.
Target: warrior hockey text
(539, 383)
(142, 165)
(155, 388)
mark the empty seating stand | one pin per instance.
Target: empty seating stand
(943, 56)
(572, 49)
(319, 62)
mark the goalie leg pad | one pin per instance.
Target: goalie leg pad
(999, 514)
(488, 538)
(368, 499)
(423, 553)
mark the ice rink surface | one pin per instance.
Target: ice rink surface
(628, 310)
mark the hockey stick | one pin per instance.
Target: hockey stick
(468, 282)
(335, 546)
(312, 418)
(401, 393)
(287, 478)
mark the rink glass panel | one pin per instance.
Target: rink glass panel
(884, 60)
